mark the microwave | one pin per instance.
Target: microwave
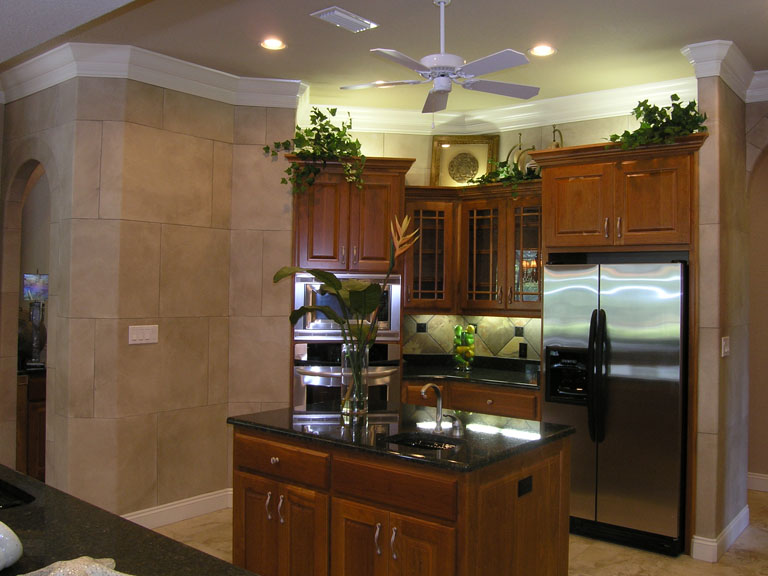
(315, 326)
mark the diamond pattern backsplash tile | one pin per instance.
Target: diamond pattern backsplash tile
(495, 335)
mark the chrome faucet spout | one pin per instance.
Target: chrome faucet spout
(439, 409)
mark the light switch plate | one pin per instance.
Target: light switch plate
(146, 334)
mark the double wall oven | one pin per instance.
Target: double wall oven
(317, 348)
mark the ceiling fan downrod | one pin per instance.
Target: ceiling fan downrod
(442, 4)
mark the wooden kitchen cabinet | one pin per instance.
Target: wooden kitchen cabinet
(486, 398)
(605, 197)
(501, 252)
(488, 262)
(280, 528)
(429, 265)
(341, 227)
(369, 541)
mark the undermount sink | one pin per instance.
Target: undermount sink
(424, 441)
(11, 496)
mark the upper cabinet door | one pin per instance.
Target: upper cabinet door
(484, 254)
(322, 223)
(653, 201)
(372, 208)
(578, 205)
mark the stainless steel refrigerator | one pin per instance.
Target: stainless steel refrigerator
(615, 368)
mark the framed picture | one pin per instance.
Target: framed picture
(456, 159)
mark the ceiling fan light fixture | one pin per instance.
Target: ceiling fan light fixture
(344, 19)
(542, 50)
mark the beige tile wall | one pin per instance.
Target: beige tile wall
(144, 186)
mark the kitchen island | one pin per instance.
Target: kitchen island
(56, 526)
(316, 495)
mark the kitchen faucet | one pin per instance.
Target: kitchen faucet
(439, 410)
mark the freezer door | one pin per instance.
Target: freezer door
(570, 297)
(640, 460)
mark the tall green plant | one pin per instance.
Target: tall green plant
(662, 125)
(316, 145)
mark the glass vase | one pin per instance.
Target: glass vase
(354, 379)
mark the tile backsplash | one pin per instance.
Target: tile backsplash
(433, 334)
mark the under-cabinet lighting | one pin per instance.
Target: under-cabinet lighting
(508, 432)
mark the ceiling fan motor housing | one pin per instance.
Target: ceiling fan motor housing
(441, 84)
(442, 63)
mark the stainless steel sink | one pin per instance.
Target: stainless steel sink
(425, 441)
(11, 496)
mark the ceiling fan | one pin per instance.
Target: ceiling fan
(444, 70)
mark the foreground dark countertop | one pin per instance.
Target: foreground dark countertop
(511, 372)
(484, 440)
(56, 526)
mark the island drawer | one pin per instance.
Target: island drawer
(494, 400)
(400, 487)
(284, 461)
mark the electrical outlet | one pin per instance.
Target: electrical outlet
(421, 326)
(725, 346)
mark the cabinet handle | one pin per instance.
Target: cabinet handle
(500, 297)
(344, 255)
(280, 508)
(376, 538)
(266, 505)
(489, 401)
(274, 460)
(605, 228)
(510, 296)
(392, 543)
(618, 227)
(354, 255)
(408, 294)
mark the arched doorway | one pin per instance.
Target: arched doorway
(25, 271)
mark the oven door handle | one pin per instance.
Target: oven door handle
(373, 374)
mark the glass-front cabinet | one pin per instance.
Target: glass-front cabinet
(489, 262)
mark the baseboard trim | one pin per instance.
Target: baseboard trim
(182, 509)
(757, 482)
(711, 549)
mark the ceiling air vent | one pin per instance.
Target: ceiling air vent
(343, 19)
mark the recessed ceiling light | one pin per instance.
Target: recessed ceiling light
(542, 50)
(273, 44)
(344, 19)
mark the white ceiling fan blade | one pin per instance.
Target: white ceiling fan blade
(382, 84)
(436, 101)
(402, 59)
(502, 88)
(492, 63)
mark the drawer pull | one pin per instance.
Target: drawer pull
(280, 508)
(376, 538)
(392, 543)
(266, 505)
(489, 401)
(274, 460)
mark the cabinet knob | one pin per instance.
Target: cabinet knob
(489, 401)
(274, 460)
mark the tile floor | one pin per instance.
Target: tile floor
(212, 533)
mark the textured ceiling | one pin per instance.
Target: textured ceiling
(602, 44)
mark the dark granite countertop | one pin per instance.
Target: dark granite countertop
(514, 372)
(484, 440)
(56, 526)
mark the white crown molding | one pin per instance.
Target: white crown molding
(588, 106)
(724, 59)
(118, 61)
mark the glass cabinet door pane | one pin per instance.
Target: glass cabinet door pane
(527, 286)
(428, 275)
(483, 256)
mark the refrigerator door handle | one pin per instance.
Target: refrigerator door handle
(598, 404)
(591, 374)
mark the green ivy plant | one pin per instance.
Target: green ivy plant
(508, 173)
(316, 145)
(662, 125)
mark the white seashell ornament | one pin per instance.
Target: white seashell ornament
(10, 546)
(83, 566)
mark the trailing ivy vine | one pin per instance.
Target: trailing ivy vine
(662, 125)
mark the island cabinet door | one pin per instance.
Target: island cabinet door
(420, 548)
(359, 545)
(254, 512)
(302, 531)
